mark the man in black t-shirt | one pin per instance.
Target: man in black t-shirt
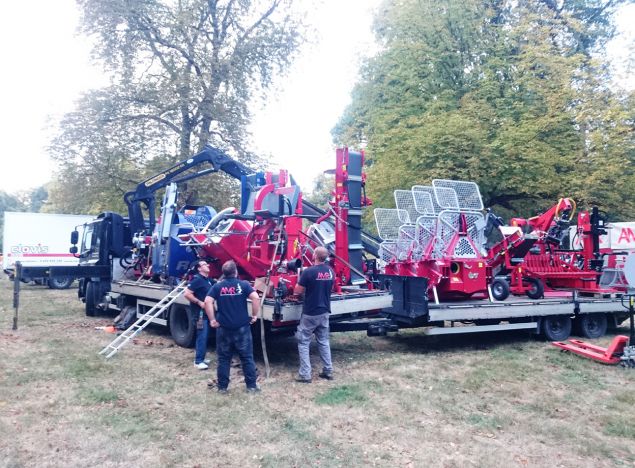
(196, 292)
(316, 282)
(226, 307)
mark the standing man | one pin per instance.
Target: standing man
(195, 293)
(316, 283)
(226, 307)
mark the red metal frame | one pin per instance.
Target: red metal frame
(556, 268)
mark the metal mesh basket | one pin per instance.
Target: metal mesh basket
(388, 222)
(446, 198)
(404, 200)
(450, 225)
(407, 242)
(426, 234)
(468, 196)
(425, 200)
(388, 251)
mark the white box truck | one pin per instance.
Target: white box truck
(40, 241)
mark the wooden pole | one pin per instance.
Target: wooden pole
(16, 293)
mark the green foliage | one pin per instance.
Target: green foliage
(182, 76)
(507, 94)
(322, 191)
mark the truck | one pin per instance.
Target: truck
(132, 263)
(40, 241)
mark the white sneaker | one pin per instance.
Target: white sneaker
(207, 361)
(201, 366)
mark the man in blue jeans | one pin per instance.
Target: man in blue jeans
(226, 307)
(316, 283)
(195, 293)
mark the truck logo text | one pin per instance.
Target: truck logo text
(627, 235)
(29, 249)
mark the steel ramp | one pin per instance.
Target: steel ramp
(143, 321)
(610, 355)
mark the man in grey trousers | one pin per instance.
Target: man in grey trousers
(316, 283)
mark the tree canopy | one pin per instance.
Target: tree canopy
(182, 75)
(515, 96)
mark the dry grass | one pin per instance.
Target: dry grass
(406, 400)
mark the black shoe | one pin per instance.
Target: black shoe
(253, 390)
(326, 375)
(301, 379)
(222, 391)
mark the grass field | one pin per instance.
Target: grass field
(404, 400)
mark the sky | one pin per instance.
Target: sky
(47, 67)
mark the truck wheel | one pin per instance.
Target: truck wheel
(556, 327)
(60, 283)
(92, 299)
(592, 325)
(182, 327)
(536, 288)
(500, 289)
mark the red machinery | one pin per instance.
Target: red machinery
(548, 266)
(438, 232)
(267, 241)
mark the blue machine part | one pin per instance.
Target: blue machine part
(174, 257)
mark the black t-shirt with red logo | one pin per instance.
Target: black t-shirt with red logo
(231, 300)
(318, 282)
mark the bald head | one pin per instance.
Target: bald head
(320, 254)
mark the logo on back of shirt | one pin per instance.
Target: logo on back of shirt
(324, 276)
(231, 290)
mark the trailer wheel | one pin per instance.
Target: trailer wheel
(592, 325)
(556, 327)
(182, 327)
(536, 288)
(500, 289)
(60, 283)
(92, 299)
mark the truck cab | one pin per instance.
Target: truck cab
(106, 241)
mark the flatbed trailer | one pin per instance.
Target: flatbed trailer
(544, 316)
(376, 312)
(143, 295)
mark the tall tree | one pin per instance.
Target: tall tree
(182, 75)
(498, 92)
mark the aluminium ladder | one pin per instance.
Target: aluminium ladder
(143, 321)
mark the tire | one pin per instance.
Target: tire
(92, 298)
(536, 288)
(556, 327)
(500, 289)
(60, 283)
(182, 327)
(592, 325)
